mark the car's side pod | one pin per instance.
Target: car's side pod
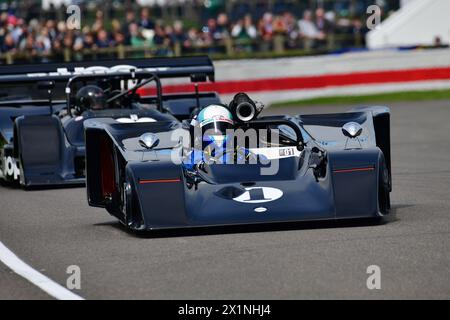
(45, 156)
(105, 175)
(100, 167)
(131, 191)
(381, 121)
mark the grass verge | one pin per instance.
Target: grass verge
(370, 98)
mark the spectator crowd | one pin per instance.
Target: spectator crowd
(41, 40)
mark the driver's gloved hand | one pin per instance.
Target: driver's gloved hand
(244, 155)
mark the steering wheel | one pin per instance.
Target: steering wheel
(239, 155)
(120, 95)
(117, 103)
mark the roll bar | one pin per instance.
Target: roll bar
(131, 75)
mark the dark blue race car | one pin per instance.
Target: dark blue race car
(229, 165)
(43, 109)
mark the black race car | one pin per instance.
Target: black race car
(43, 108)
(160, 175)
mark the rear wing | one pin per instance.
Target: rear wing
(198, 69)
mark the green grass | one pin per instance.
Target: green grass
(372, 98)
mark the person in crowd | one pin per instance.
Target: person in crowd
(8, 44)
(195, 38)
(60, 29)
(209, 32)
(146, 22)
(42, 50)
(51, 27)
(324, 27)
(85, 40)
(19, 30)
(102, 39)
(292, 30)
(43, 43)
(27, 46)
(308, 30)
(244, 29)
(130, 17)
(223, 27)
(160, 35)
(265, 29)
(99, 23)
(358, 34)
(179, 36)
(321, 22)
(118, 39)
(161, 41)
(279, 26)
(136, 38)
(68, 40)
(57, 50)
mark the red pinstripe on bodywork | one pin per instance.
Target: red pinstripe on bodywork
(159, 181)
(353, 170)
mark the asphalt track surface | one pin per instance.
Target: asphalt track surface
(52, 229)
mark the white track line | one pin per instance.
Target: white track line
(38, 279)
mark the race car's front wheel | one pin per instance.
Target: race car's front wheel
(132, 215)
(384, 201)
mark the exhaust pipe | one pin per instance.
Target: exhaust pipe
(243, 108)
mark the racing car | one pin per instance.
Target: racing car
(228, 164)
(43, 108)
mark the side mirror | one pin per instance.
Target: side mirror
(148, 140)
(352, 129)
(287, 131)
